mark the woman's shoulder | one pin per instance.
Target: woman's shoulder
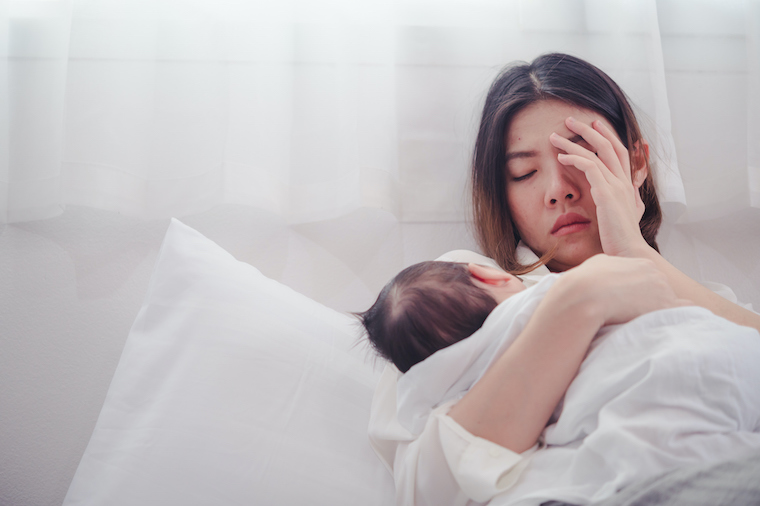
(467, 256)
(524, 255)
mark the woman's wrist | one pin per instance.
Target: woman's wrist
(642, 250)
(636, 247)
(581, 299)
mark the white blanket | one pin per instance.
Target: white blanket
(670, 388)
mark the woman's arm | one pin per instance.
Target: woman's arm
(684, 286)
(513, 401)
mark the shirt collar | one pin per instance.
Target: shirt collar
(526, 257)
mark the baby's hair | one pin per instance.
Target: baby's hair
(426, 307)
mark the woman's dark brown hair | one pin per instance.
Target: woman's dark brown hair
(426, 307)
(549, 77)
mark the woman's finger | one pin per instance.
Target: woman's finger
(594, 175)
(640, 206)
(603, 146)
(617, 145)
(575, 149)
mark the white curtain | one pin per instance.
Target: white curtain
(311, 109)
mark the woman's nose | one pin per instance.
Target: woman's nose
(562, 186)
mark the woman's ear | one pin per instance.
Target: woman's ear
(640, 169)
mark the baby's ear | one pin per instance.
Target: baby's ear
(488, 275)
(640, 168)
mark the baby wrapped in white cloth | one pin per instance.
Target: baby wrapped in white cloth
(670, 388)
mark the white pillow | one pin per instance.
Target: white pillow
(232, 389)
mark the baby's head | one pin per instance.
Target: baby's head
(431, 305)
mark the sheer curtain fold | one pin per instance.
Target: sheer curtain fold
(753, 102)
(313, 109)
(711, 66)
(33, 74)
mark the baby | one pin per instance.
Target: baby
(432, 305)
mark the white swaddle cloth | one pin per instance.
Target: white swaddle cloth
(671, 388)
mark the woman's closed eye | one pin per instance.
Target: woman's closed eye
(524, 176)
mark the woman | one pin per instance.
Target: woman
(560, 172)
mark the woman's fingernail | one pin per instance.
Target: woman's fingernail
(571, 120)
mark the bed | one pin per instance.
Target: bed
(233, 389)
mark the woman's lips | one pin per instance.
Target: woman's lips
(569, 224)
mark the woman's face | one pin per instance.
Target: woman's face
(551, 203)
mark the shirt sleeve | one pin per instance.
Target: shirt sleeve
(481, 468)
(448, 466)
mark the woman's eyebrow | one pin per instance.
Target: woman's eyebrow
(521, 154)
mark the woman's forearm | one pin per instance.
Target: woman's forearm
(515, 398)
(687, 288)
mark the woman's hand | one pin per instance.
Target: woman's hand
(616, 290)
(619, 209)
(618, 204)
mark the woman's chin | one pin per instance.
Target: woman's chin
(569, 256)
